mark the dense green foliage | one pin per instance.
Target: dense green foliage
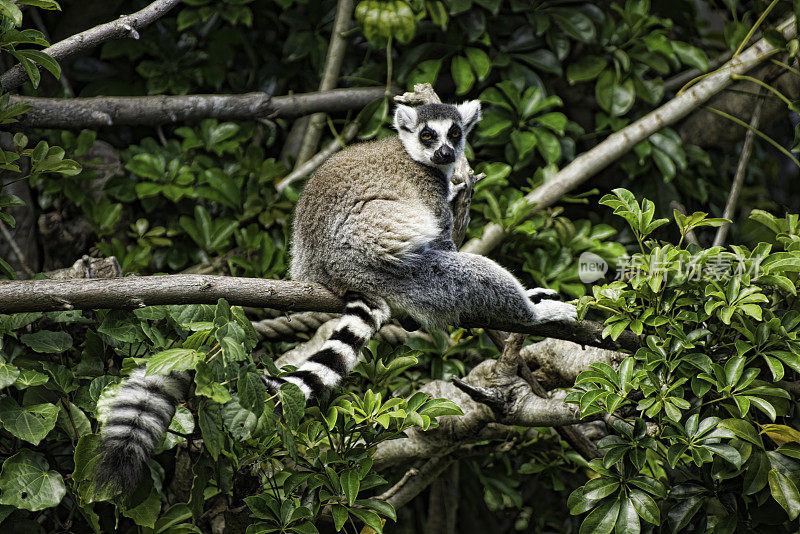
(704, 435)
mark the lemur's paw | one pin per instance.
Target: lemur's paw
(554, 311)
(538, 294)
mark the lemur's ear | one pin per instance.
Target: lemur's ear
(470, 112)
(405, 118)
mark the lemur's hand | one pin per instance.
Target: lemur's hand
(547, 308)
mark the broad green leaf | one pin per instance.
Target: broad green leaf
(480, 62)
(30, 423)
(784, 491)
(47, 341)
(586, 68)
(602, 519)
(26, 482)
(294, 404)
(462, 74)
(170, 360)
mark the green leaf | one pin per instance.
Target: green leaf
(524, 142)
(462, 74)
(615, 98)
(42, 59)
(743, 430)
(690, 55)
(340, 516)
(586, 68)
(210, 421)
(785, 492)
(8, 374)
(30, 423)
(575, 24)
(602, 519)
(628, 520)
(47, 341)
(350, 485)
(251, 391)
(166, 361)
(11, 11)
(26, 482)
(294, 404)
(599, 488)
(480, 62)
(370, 518)
(145, 513)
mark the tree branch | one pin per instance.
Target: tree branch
(135, 292)
(617, 144)
(301, 171)
(330, 75)
(127, 26)
(103, 111)
(741, 171)
(513, 403)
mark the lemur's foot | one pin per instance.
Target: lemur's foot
(538, 294)
(554, 311)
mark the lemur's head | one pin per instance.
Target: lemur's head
(433, 134)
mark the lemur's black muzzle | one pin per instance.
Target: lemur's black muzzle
(444, 155)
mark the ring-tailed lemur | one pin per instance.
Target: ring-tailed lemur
(373, 225)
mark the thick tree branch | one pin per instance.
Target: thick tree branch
(103, 111)
(127, 26)
(617, 144)
(135, 292)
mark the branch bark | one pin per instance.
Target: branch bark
(127, 26)
(135, 292)
(99, 112)
(615, 145)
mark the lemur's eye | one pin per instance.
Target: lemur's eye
(455, 133)
(426, 136)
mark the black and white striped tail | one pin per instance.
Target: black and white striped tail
(337, 357)
(134, 418)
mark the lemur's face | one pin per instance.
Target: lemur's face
(434, 134)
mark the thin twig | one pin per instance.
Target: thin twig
(127, 26)
(330, 75)
(400, 483)
(313, 164)
(741, 171)
(17, 251)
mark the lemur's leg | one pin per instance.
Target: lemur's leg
(443, 287)
(326, 368)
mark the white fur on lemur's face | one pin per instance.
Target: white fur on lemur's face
(433, 134)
